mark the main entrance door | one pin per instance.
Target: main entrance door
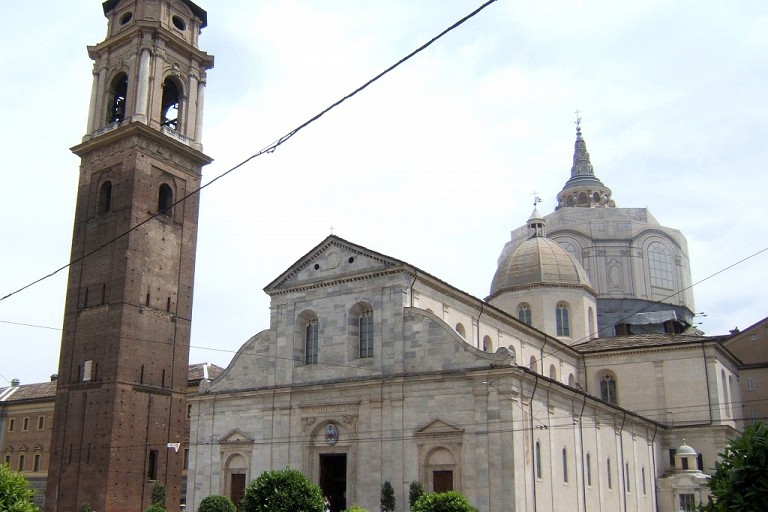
(333, 479)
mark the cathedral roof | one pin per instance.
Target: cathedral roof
(538, 261)
(648, 340)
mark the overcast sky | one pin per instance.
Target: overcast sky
(434, 164)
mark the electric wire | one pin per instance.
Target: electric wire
(271, 148)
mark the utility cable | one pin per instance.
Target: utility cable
(267, 149)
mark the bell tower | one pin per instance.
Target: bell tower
(121, 396)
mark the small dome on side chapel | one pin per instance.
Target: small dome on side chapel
(538, 261)
(541, 284)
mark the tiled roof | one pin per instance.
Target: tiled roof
(636, 341)
(43, 390)
(200, 371)
(47, 390)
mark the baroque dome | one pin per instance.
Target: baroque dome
(538, 261)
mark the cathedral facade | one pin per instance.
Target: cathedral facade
(373, 370)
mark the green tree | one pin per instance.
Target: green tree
(450, 501)
(740, 482)
(156, 508)
(15, 494)
(387, 497)
(355, 508)
(282, 490)
(158, 494)
(217, 503)
(414, 493)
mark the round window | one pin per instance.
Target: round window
(179, 23)
(125, 18)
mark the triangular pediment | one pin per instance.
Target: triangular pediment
(439, 426)
(236, 437)
(333, 260)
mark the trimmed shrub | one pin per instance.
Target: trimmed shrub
(451, 501)
(387, 497)
(156, 508)
(158, 494)
(282, 490)
(355, 508)
(217, 503)
(414, 493)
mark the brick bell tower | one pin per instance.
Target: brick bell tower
(125, 344)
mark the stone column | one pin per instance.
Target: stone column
(142, 91)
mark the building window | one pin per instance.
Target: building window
(552, 372)
(11, 424)
(524, 313)
(152, 466)
(22, 459)
(186, 458)
(366, 333)
(538, 459)
(189, 411)
(36, 462)
(642, 471)
(589, 469)
(532, 365)
(561, 320)
(118, 92)
(460, 329)
(487, 344)
(8, 459)
(565, 466)
(660, 266)
(40, 422)
(165, 200)
(25, 424)
(627, 482)
(105, 197)
(687, 502)
(608, 389)
(170, 105)
(310, 342)
(608, 472)
(750, 384)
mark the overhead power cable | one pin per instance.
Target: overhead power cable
(267, 149)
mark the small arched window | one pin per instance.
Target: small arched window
(538, 459)
(561, 320)
(105, 197)
(487, 344)
(170, 109)
(726, 402)
(569, 201)
(532, 364)
(512, 353)
(165, 200)
(589, 469)
(310, 342)
(460, 329)
(608, 389)
(524, 313)
(552, 372)
(660, 264)
(366, 333)
(118, 92)
(583, 198)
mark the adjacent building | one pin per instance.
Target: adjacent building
(26, 419)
